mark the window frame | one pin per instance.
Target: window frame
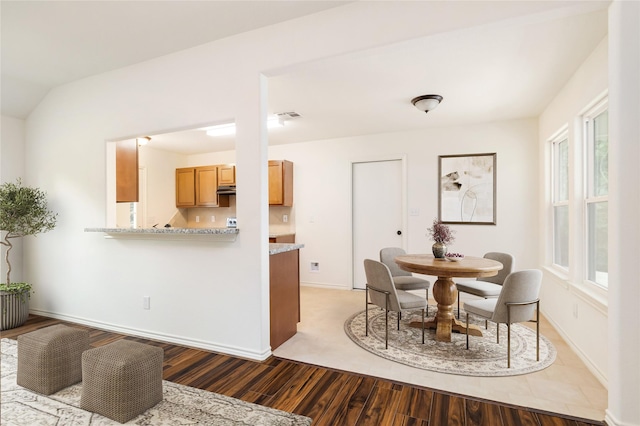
(562, 135)
(588, 197)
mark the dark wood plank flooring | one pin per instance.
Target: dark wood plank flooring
(329, 397)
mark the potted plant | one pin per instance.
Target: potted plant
(442, 236)
(23, 211)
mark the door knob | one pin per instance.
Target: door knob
(399, 232)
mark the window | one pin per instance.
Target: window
(560, 193)
(596, 196)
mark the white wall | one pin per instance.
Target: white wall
(561, 294)
(322, 175)
(11, 168)
(215, 295)
(160, 168)
(321, 190)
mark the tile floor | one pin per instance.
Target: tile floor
(566, 387)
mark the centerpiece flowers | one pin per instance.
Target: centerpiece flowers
(442, 235)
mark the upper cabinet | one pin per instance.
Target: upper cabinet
(127, 171)
(185, 187)
(206, 186)
(198, 186)
(280, 183)
(226, 174)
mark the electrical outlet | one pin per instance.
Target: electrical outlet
(213, 218)
(575, 310)
(146, 302)
(285, 218)
(315, 267)
(197, 219)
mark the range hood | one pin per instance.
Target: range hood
(227, 190)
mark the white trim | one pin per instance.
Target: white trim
(194, 343)
(611, 420)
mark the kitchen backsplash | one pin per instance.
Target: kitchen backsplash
(202, 218)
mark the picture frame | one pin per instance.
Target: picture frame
(467, 189)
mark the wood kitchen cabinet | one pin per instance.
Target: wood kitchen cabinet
(286, 238)
(185, 187)
(280, 183)
(198, 186)
(284, 296)
(226, 174)
(127, 171)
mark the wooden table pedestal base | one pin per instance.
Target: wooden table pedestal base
(445, 293)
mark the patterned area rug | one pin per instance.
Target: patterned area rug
(182, 405)
(484, 358)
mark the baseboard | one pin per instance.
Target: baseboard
(610, 420)
(587, 362)
(193, 343)
(323, 285)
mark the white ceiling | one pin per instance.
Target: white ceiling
(497, 72)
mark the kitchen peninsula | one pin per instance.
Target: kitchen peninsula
(284, 271)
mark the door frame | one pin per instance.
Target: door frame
(403, 191)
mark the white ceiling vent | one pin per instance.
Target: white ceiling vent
(290, 115)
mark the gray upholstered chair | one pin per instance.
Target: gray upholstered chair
(403, 280)
(516, 303)
(487, 287)
(383, 293)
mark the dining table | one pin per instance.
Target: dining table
(444, 290)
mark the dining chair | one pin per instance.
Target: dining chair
(487, 287)
(403, 280)
(517, 302)
(383, 293)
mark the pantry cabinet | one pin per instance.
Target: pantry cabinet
(280, 183)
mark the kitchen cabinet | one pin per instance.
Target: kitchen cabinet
(127, 171)
(198, 186)
(284, 289)
(280, 183)
(285, 238)
(226, 174)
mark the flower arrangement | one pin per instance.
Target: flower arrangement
(440, 233)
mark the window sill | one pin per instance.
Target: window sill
(588, 292)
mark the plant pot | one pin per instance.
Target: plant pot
(438, 249)
(14, 309)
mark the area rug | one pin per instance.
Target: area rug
(484, 358)
(182, 405)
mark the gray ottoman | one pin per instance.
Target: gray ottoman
(50, 359)
(121, 380)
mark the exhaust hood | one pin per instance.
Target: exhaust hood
(227, 190)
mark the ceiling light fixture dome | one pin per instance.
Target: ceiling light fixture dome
(426, 102)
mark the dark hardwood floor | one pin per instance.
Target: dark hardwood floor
(329, 397)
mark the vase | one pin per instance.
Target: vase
(439, 250)
(14, 309)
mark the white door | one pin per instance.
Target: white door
(377, 212)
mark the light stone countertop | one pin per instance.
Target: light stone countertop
(277, 248)
(184, 231)
(227, 234)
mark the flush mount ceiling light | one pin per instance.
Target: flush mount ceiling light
(426, 102)
(143, 140)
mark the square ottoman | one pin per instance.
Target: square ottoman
(121, 380)
(50, 359)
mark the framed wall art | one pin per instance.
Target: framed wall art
(467, 189)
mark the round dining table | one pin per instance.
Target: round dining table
(444, 290)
